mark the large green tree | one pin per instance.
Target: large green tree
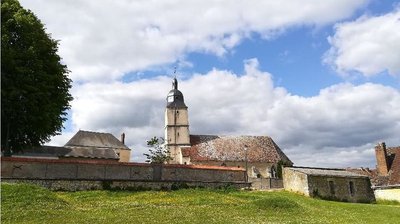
(34, 83)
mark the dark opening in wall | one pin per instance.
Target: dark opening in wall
(331, 187)
(351, 188)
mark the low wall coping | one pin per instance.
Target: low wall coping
(397, 186)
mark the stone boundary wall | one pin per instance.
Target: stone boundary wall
(83, 175)
(295, 181)
(79, 185)
(391, 193)
(266, 183)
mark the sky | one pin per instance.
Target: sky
(321, 78)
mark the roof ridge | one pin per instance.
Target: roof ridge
(96, 132)
(318, 168)
(234, 136)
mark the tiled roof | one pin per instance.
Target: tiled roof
(44, 151)
(231, 148)
(74, 152)
(394, 165)
(95, 139)
(326, 172)
(92, 153)
(393, 177)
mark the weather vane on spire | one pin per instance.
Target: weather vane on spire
(175, 71)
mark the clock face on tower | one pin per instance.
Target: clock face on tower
(170, 99)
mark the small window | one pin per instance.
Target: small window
(331, 187)
(351, 188)
(273, 172)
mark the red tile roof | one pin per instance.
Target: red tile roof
(393, 177)
(231, 148)
(394, 165)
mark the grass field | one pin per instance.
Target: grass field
(21, 203)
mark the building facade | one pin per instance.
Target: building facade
(331, 184)
(84, 145)
(176, 124)
(260, 155)
(385, 178)
(387, 165)
(100, 143)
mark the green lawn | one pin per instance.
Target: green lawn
(21, 203)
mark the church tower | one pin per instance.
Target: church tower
(176, 124)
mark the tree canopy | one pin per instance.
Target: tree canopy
(34, 83)
(158, 153)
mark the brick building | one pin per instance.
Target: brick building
(385, 178)
(387, 165)
(387, 172)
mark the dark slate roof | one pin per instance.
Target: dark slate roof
(71, 152)
(176, 95)
(326, 172)
(95, 139)
(231, 148)
(45, 151)
(178, 101)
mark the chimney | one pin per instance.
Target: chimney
(123, 138)
(381, 159)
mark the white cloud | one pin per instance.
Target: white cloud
(338, 127)
(102, 40)
(368, 45)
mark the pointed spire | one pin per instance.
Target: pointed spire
(175, 81)
(175, 84)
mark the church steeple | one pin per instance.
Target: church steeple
(175, 84)
(176, 123)
(175, 97)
